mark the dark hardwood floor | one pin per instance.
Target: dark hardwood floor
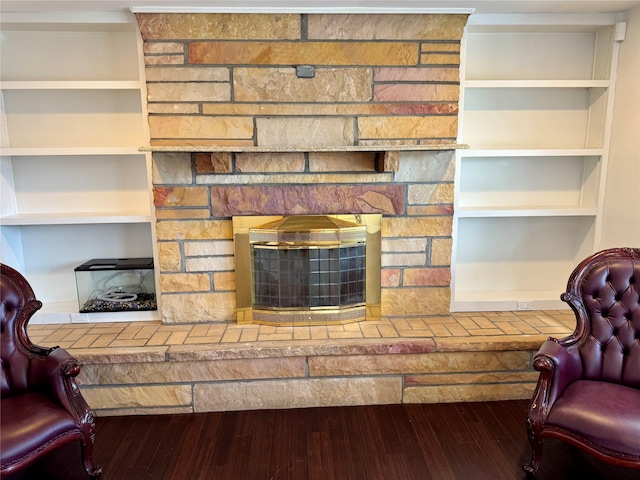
(476, 441)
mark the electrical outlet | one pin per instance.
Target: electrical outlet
(524, 306)
(79, 317)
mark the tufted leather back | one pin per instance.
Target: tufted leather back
(604, 290)
(18, 304)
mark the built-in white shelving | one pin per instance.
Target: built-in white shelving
(536, 93)
(75, 185)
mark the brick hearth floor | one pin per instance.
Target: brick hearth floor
(467, 325)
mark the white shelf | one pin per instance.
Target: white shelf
(536, 84)
(508, 301)
(66, 151)
(535, 106)
(532, 152)
(75, 185)
(74, 218)
(529, 211)
(72, 85)
(71, 118)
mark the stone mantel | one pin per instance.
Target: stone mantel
(296, 149)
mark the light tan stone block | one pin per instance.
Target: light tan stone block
(187, 74)
(180, 197)
(439, 59)
(174, 108)
(403, 259)
(297, 393)
(315, 109)
(416, 226)
(441, 251)
(194, 230)
(438, 126)
(188, 92)
(169, 258)
(304, 53)
(415, 301)
(182, 372)
(157, 48)
(158, 26)
(96, 355)
(425, 194)
(447, 47)
(185, 282)
(492, 342)
(198, 249)
(471, 378)
(468, 393)
(138, 396)
(304, 131)
(404, 245)
(447, 362)
(172, 168)
(164, 59)
(390, 162)
(224, 281)
(182, 213)
(210, 264)
(190, 126)
(341, 162)
(436, 166)
(270, 162)
(386, 27)
(119, 412)
(282, 85)
(198, 307)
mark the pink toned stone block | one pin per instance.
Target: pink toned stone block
(390, 277)
(424, 277)
(312, 199)
(416, 74)
(403, 92)
(270, 162)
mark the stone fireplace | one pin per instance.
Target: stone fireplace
(295, 114)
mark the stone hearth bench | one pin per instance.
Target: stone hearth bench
(181, 378)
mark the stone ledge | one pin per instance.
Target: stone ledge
(203, 147)
(305, 348)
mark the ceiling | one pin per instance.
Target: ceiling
(338, 6)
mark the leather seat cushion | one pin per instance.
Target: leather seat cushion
(605, 414)
(30, 422)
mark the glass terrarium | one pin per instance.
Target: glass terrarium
(116, 285)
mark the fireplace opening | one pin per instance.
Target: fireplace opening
(307, 269)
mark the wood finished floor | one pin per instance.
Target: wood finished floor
(475, 441)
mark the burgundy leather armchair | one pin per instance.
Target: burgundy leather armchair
(42, 407)
(588, 393)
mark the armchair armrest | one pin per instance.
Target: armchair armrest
(559, 366)
(54, 375)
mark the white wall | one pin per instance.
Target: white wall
(621, 221)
